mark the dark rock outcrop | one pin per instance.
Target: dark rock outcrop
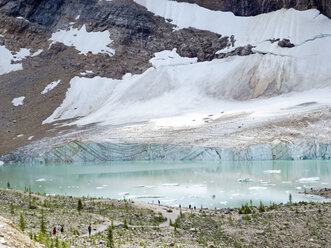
(255, 7)
(286, 43)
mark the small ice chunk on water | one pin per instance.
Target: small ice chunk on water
(44, 180)
(308, 179)
(272, 171)
(286, 182)
(30, 138)
(123, 193)
(257, 188)
(20, 135)
(1, 163)
(170, 184)
(99, 187)
(245, 180)
(298, 187)
(223, 202)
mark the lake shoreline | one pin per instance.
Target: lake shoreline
(138, 224)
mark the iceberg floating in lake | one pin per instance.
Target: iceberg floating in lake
(257, 188)
(123, 193)
(272, 171)
(44, 180)
(170, 184)
(245, 180)
(308, 180)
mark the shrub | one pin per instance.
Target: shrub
(245, 209)
(261, 207)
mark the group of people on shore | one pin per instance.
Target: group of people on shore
(180, 206)
(61, 229)
(58, 228)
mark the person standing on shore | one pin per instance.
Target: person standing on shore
(89, 230)
(54, 231)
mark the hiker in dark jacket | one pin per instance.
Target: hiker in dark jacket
(89, 230)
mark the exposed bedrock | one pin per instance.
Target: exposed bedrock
(79, 152)
(256, 7)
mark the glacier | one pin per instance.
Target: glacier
(96, 152)
(272, 104)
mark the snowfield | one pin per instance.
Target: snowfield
(298, 26)
(177, 93)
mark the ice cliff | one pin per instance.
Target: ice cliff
(78, 152)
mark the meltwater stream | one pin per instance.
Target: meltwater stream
(207, 184)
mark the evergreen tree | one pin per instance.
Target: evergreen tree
(42, 222)
(290, 199)
(12, 211)
(110, 237)
(22, 222)
(79, 205)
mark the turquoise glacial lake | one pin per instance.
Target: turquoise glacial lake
(207, 184)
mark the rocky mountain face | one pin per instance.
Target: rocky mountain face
(136, 33)
(27, 26)
(256, 7)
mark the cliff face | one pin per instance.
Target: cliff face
(159, 59)
(256, 7)
(136, 35)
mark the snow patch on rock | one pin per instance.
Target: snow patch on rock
(50, 86)
(167, 58)
(94, 42)
(18, 101)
